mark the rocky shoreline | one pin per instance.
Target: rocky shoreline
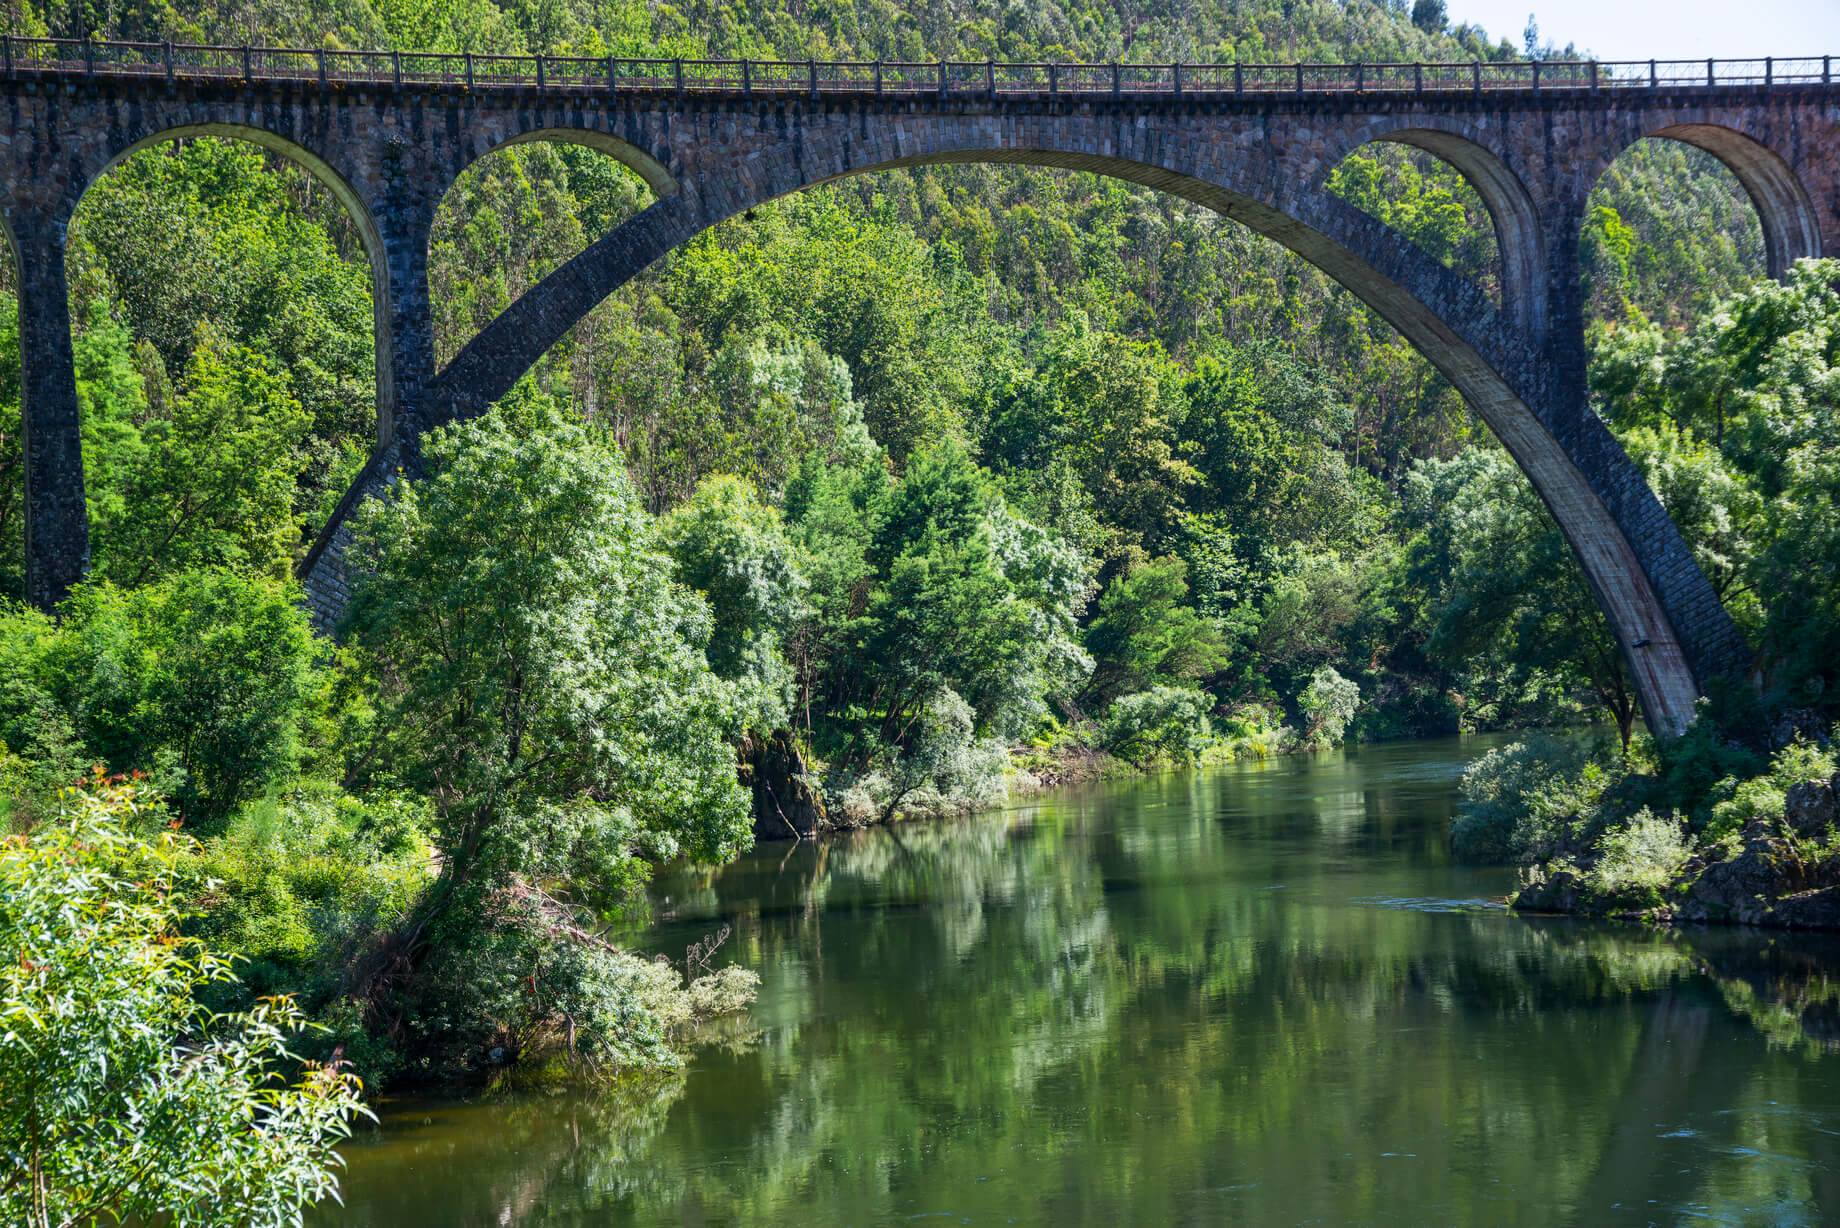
(1779, 873)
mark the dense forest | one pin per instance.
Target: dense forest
(936, 482)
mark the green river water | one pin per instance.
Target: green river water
(1258, 995)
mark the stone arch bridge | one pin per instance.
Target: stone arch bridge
(389, 133)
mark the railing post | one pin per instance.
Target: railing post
(878, 78)
(1239, 79)
(1654, 78)
(6, 44)
(1536, 76)
(1712, 77)
(1178, 78)
(990, 79)
(1827, 70)
(747, 79)
(246, 73)
(1360, 77)
(1475, 72)
(89, 57)
(1593, 76)
(942, 78)
(613, 75)
(1418, 78)
(319, 64)
(542, 76)
(1300, 78)
(167, 50)
(1054, 83)
(811, 69)
(1769, 71)
(677, 76)
(1117, 79)
(396, 68)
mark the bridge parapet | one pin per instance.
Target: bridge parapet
(23, 57)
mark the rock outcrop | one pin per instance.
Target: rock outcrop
(786, 806)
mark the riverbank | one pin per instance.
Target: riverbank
(796, 795)
(1644, 840)
(1777, 872)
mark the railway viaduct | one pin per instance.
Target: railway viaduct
(389, 133)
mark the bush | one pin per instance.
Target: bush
(121, 1095)
(294, 883)
(944, 769)
(298, 886)
(1738, 803)
(1636, 862)
(1165, 724)
(533, 981)
(1514, 796)
(1328, 703)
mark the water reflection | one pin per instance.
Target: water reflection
(1261, 995)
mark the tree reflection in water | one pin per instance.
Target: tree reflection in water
(1261, 995)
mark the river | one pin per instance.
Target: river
(1256, 995)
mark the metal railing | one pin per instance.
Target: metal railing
(36, 57)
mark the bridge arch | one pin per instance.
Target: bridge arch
(1791, 227)
(641, 162)
(1519, 235)
(370, 238)
(1397, 281)
(1784, 206)
(450, 237)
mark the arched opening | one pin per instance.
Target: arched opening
(1670, 229)
(232, 358)
(1423, 196)
(516, 214)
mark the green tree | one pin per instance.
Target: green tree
(1502, 585)
(1328, 703)
(1163, 724)
(543, 680)
(204, 681)
(1143, 633)
(957, 593)
(1109, 404)
(211, 485)
(1735, 421)
(733, 550)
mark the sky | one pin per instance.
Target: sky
(1665, 29)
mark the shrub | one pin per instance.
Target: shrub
(1637, 861)
(1164, 724)
(1328, 703)
(1738, 803)
(298, 886)
(534, 981)
(121, 1097)
(1513, 796)
(295, 882)
(945, 768)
